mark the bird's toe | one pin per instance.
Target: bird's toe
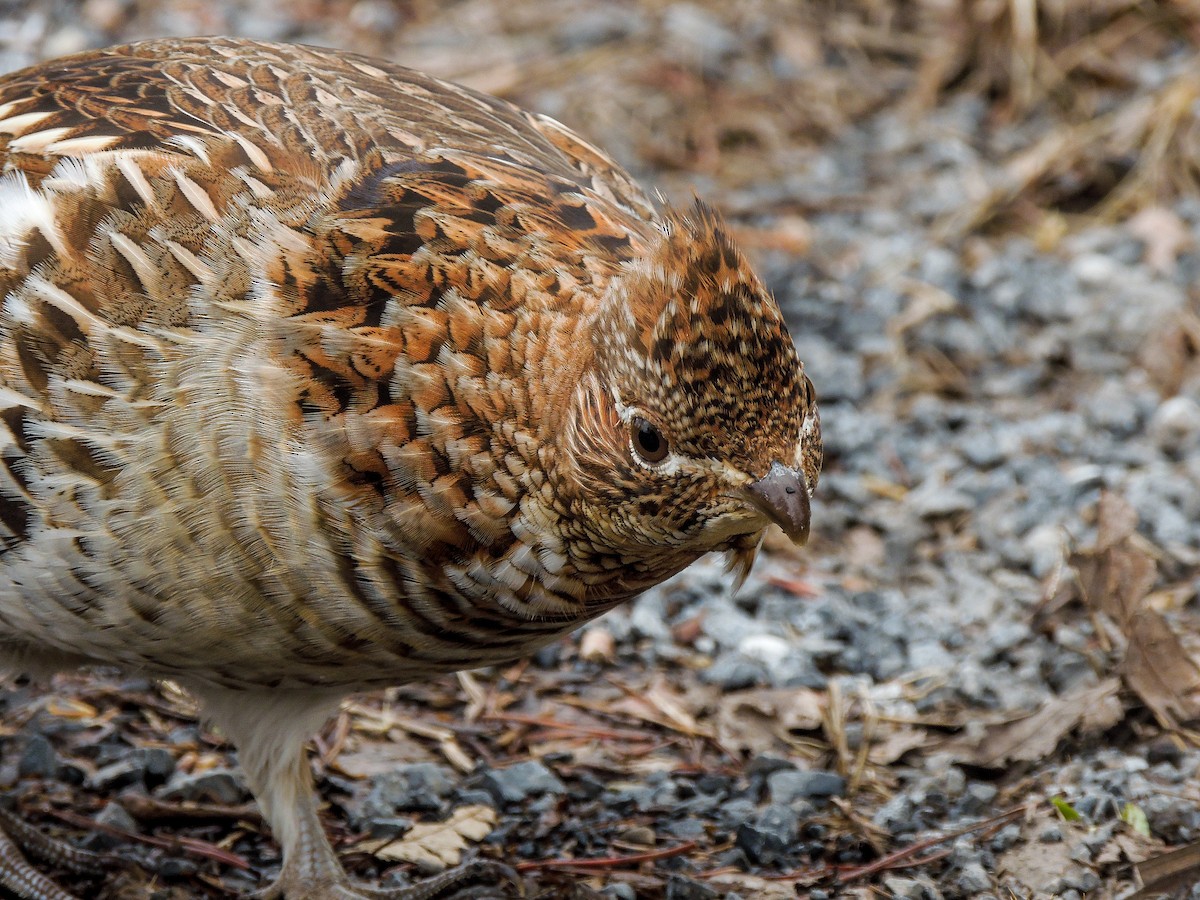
(477, 880)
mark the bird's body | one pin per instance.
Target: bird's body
(319, 374)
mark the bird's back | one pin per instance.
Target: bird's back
(278, 326)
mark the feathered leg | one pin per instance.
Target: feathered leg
(269, 729)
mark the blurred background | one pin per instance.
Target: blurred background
(979, 679)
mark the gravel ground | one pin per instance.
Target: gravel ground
(872, 702)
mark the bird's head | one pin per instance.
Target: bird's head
(694, 426)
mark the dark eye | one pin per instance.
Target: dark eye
(648, 441)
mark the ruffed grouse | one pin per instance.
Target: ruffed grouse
(318, 374)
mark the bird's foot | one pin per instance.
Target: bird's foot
(477, 880)
(26, 882)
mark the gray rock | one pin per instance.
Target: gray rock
(896, 815)
(760, 846)
(1051, 834)
(115, 816)
(1084, 880)
(516, 783)
(790, 785)
(973, 879)
(148, 766)
(1175, 425)
(213, 786)
(38, 759)
(421, 787)
(682, 888)
(737, 812)
(770, 837)
(592, 27)
(732, 672)
(1006, 838)
(696, 37)
(390, 827)
(687, 829)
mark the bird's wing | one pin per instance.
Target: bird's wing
(276, 106)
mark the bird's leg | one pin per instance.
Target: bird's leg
(26, 882)
(269, 729)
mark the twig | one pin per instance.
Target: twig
(610, 862)
(614, 734)
(192, 846)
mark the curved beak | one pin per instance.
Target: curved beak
(782, 496)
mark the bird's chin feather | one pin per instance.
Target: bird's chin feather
(739, 560)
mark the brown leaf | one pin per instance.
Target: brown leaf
(1035, 864)
(1126, 847)
(1116, 521)
(760, 720)
(598, 645)
(436, 845)
(1115, 575)
(753, 886)
(1169, 352)
(1164, 235)
(1116, 581)
(374, 757)
(70, 708)
(1090, 710)
(663, 705)
(1159, 670)
(896, 743)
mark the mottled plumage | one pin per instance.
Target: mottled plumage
(319, 374)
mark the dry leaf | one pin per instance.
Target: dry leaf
(598, 645)
(1116, 522)
(1164, 234)
(863, 547)
(1115, 575)
(761, 720)
(70, 708)
(667, 707)
(374, 757)
(1035, 864)
(672, 705)
(1169, 352)
(436, 845)
(1159, 670)
(753, 886)
(1126, 847)
(896, 743)
(1035, 737)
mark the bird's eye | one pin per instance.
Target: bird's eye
(648, 441)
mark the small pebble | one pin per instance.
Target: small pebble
(973, 879)
(38, 759)
(513, 784)
(1051, 834)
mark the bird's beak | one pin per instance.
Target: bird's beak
(782, 496)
